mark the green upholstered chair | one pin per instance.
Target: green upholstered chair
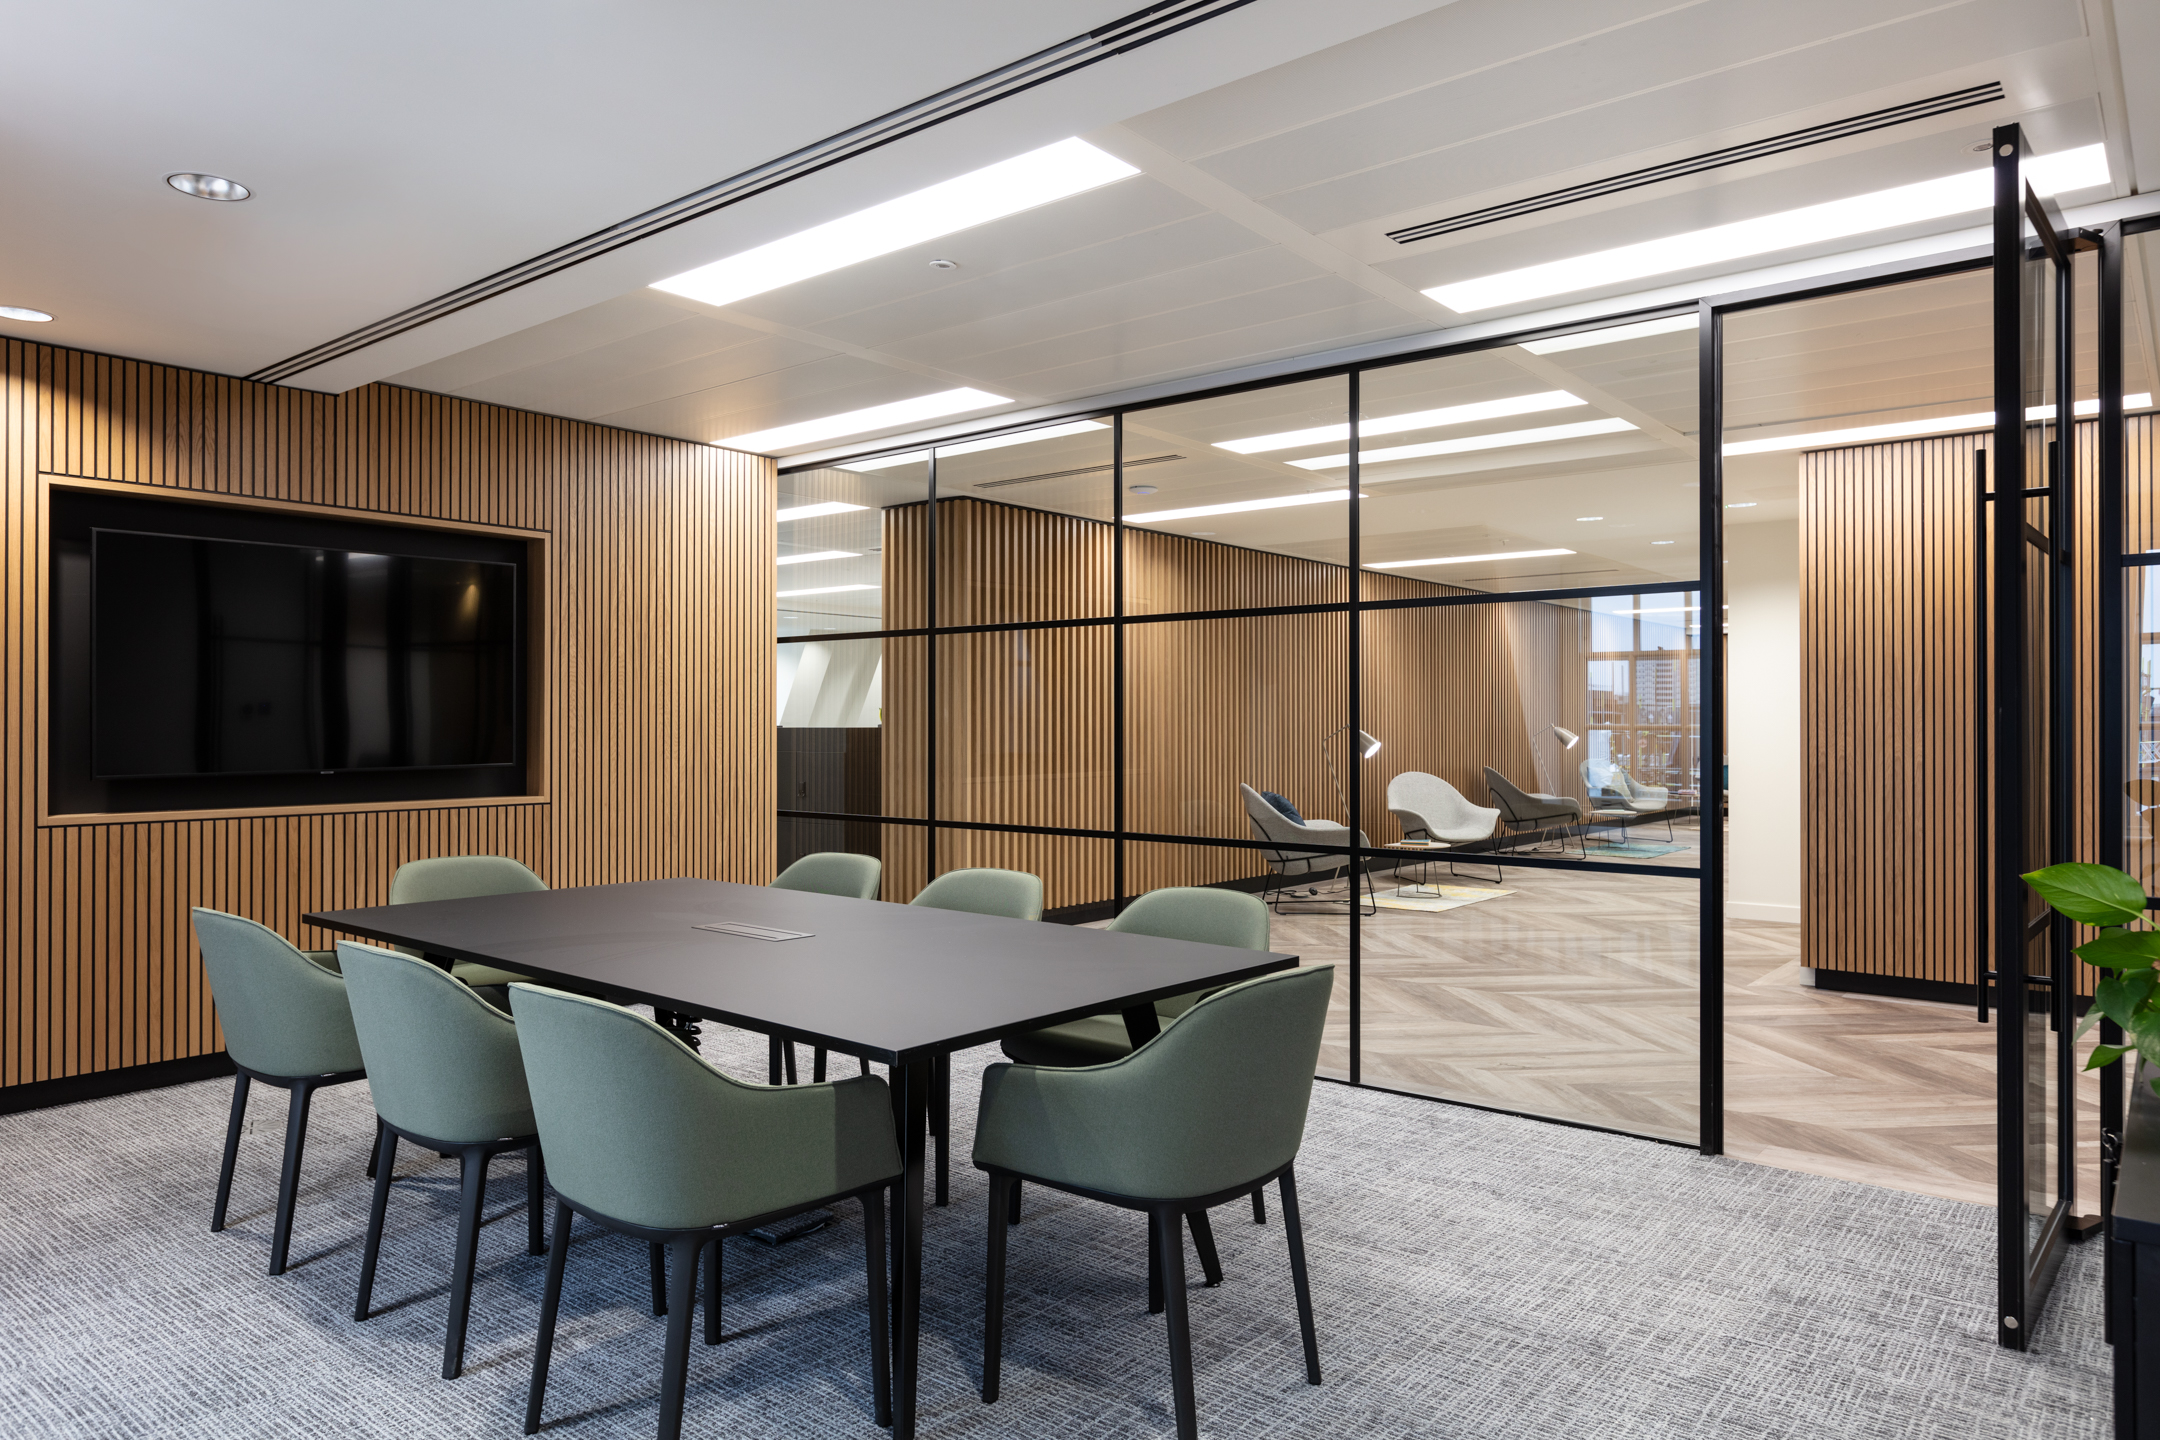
(1179, 912)
(829, 872)
(1014, 894)
(1207, 1112)
(833, 872)
(645, 1138)
(443, 1065)
(286, 1023)
(1207, 916)
(463, 877)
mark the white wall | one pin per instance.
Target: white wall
(1763, 720)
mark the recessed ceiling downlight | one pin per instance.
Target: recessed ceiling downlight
(208, 187)
(23, 312)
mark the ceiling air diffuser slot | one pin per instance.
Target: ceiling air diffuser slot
(1142, 27)
(1708, 160)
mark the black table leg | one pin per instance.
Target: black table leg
(911, 1095)
(775, 1059)
(1141, 1025)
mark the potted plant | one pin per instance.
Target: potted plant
(2103, 896)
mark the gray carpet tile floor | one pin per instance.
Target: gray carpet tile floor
(1475, 1275)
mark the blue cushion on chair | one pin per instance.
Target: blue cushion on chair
(1289, 810)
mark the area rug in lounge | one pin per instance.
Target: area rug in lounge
(1435, 897)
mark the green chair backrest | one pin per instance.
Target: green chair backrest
(1215, 1101)
(283, 1014)
(1198, 913)
(1205, 915)
(1014, 894)
(638, 1127)
(460, 877)
(442, 1063)
(832, 872)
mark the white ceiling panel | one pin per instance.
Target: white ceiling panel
(824, 387)
(1256, 231)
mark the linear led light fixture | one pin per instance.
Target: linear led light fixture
(859, 422)
(811, 555)
(965, 201)
(1788, 229)
(1906, 429)
(1465, 559)
(1498, 440)
(972, 447)
(1397, 424)
(813, 512)
(1671, 325)
(1236, 507)
(824, 590)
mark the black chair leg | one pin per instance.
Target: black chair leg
(1012, 1211)
(1170, 1257)
(1298, 1279)
(994, 1290)
(1259, 1206)
(818, 1058)
(535, 1193)
(788, 1055)
(873, 1211)
(384, 1164)
(659, 1278)
(550, 1301)
(712, 1292)
(232, 1150)
(941, 1120)
(675, 1364)
(775, 1065)
(1154, 1264)
(1203, 1239)
(473, 1167)
(289, 1178)
(374, 1155)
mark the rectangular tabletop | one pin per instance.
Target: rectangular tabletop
(894, 983)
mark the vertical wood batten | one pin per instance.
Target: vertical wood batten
(652, 703)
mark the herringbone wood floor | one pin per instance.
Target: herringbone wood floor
(1575, 997)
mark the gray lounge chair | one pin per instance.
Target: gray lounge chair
(1286, 856)
(1525, 810)
(1428, 808)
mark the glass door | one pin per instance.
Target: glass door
(2033, 734)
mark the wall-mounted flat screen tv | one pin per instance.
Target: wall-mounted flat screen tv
(235, 657)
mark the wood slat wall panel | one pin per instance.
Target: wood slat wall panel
(653, 698)
(1889, 790)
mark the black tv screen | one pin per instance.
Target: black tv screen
(235, 657)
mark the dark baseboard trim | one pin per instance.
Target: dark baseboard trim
(39, 1094)
(1898, 987)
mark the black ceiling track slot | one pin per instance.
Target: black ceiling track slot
(1142, 27)
(1708, 160)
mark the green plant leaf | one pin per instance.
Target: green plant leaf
(2123, 950)
(2144, 1031)
(2119, 996)
(2094, 894)
(2104, 1055)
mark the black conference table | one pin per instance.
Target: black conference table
(899, 984)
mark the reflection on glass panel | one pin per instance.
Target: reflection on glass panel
(1024, 738)
(1505, 995)
(1529, 467)
(1024, 525)
(2140, 817)
(1226, 510)
(1221, 713)
(833, 529)
(1316, 930)
(903, 732)
(831, 743)
(1561, 727)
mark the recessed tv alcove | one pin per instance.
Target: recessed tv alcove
(214, 657)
